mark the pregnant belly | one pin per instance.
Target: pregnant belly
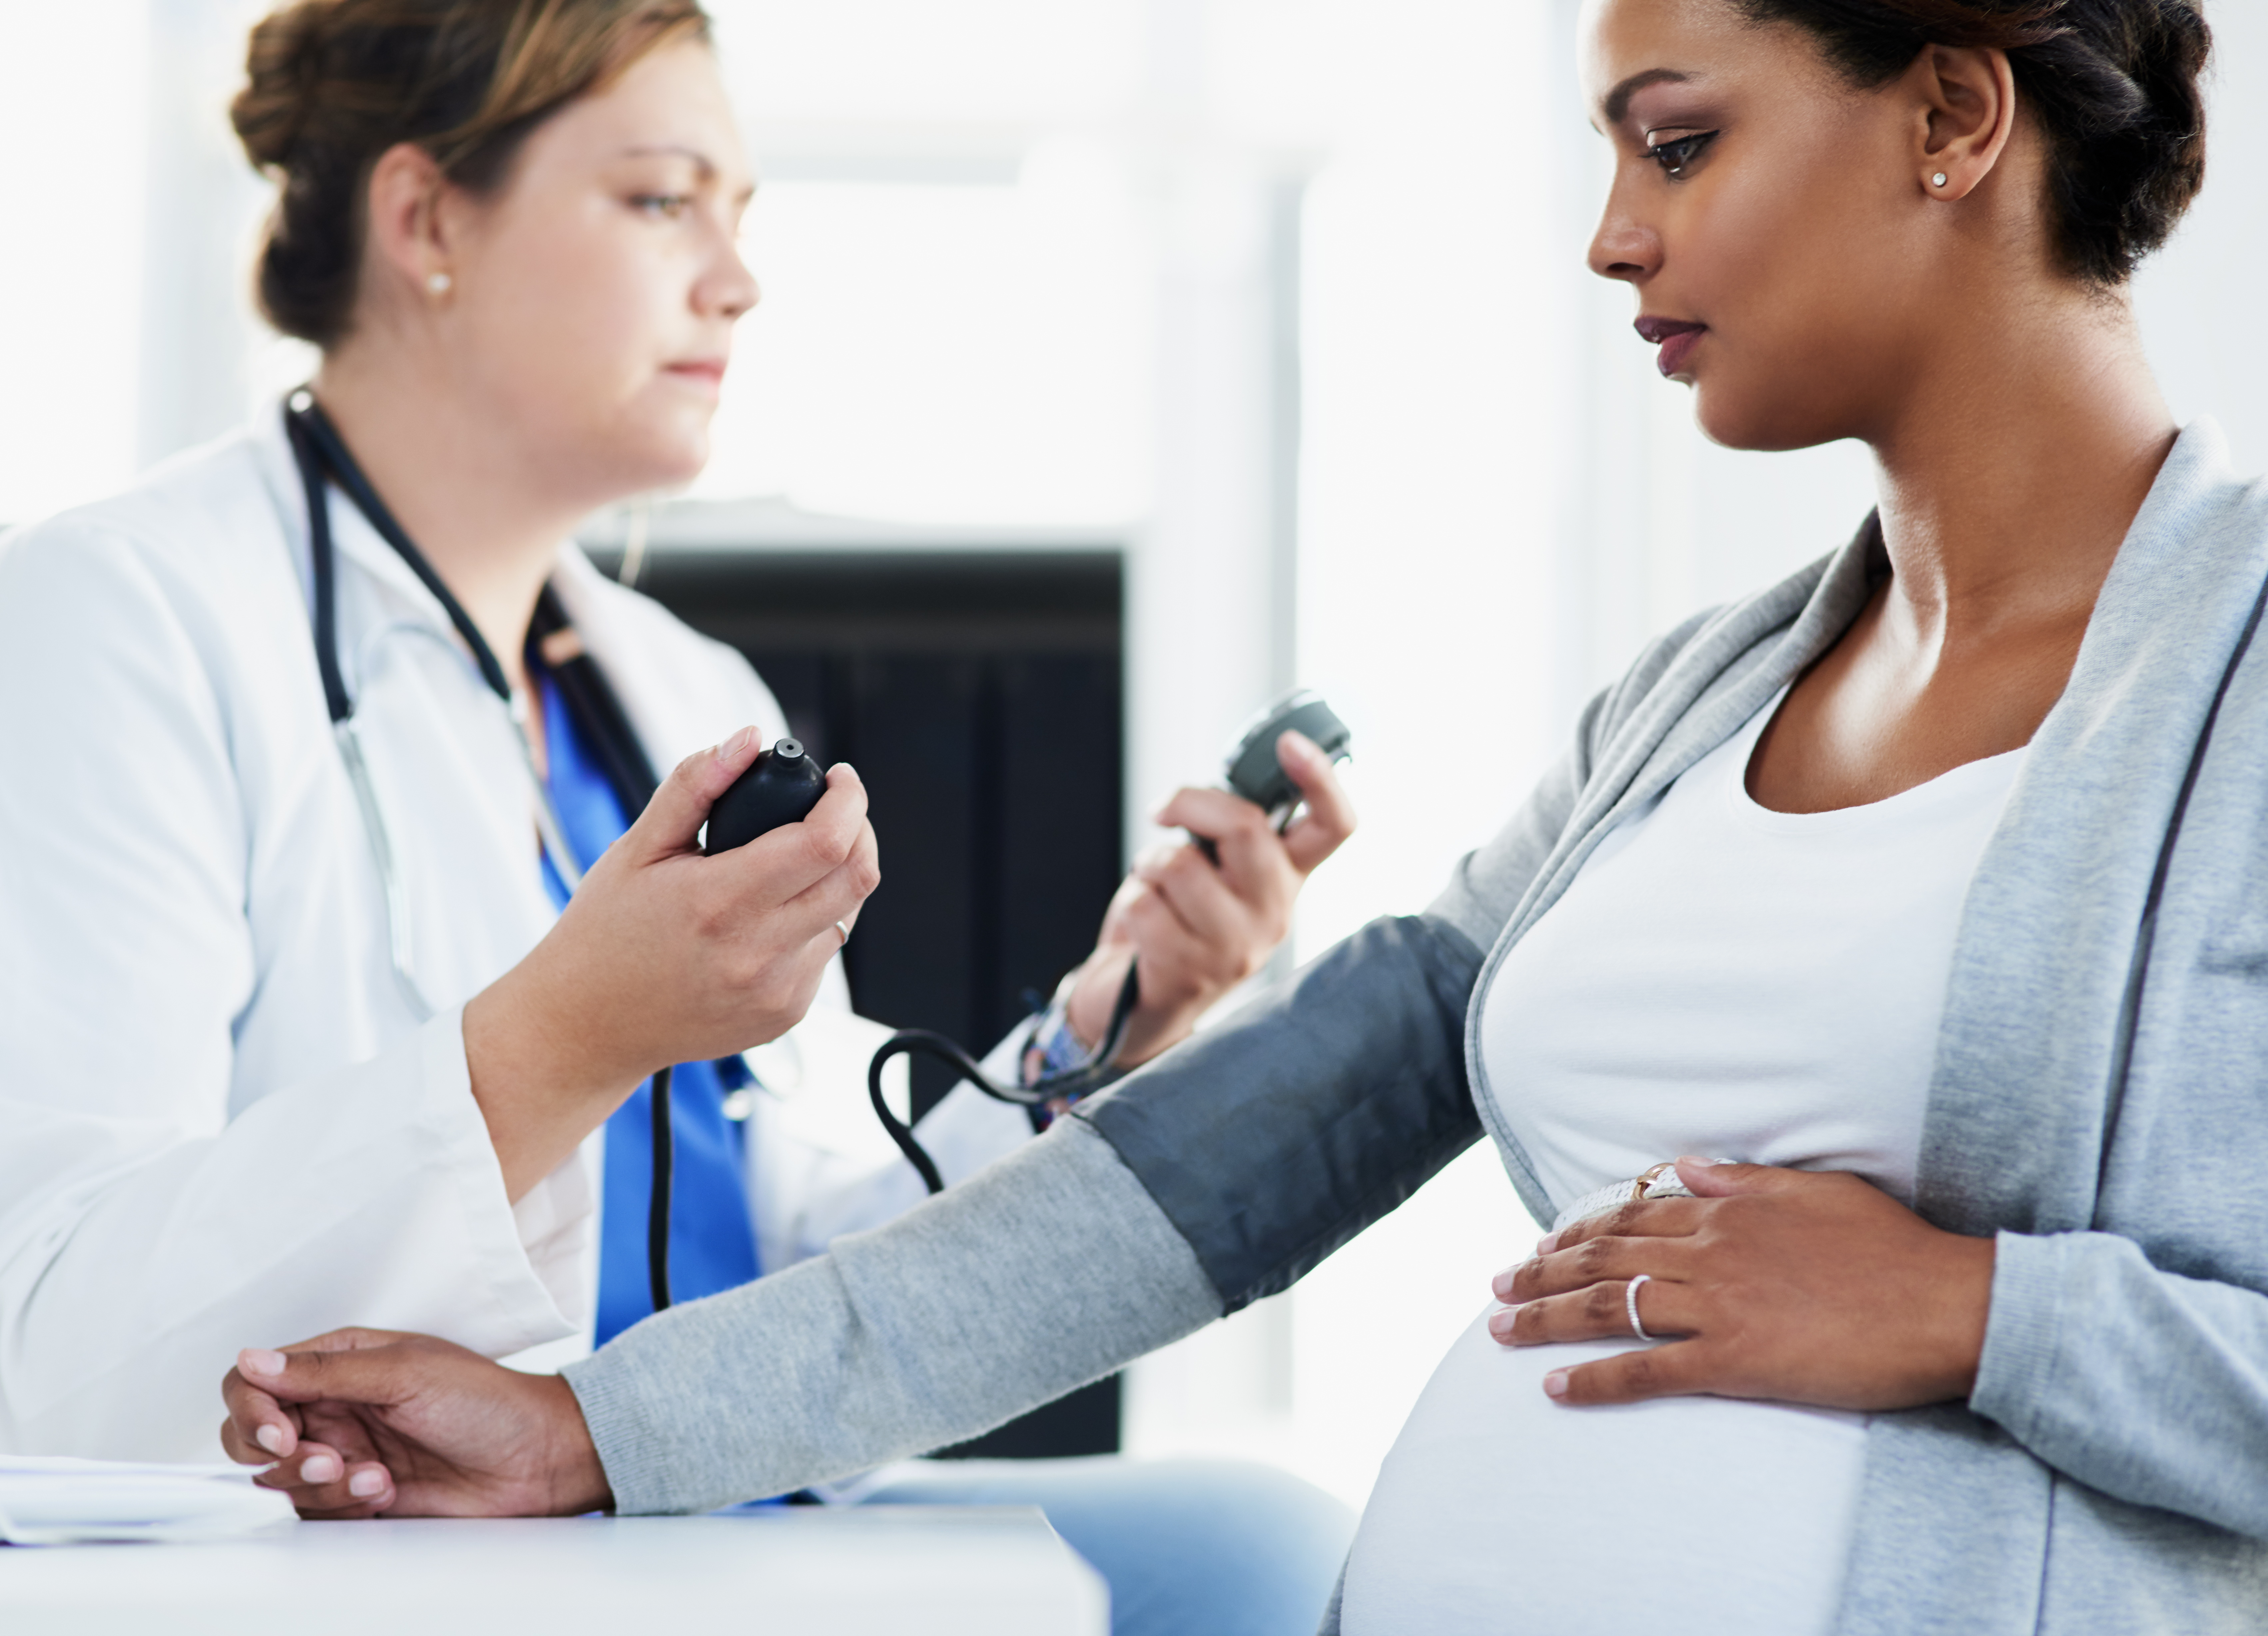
(1500, 1511)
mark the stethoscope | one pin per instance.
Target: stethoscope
(323, 458)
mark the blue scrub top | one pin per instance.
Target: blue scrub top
(713, 1240)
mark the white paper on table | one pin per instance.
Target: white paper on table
(51, 1501)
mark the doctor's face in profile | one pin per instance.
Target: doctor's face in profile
(593, 295)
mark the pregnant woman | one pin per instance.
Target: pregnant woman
(1926, 888)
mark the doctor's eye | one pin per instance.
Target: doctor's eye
(668, 205)
(1675, 154)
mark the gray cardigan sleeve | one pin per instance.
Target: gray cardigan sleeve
(2145, 1384)
(1046, 1270)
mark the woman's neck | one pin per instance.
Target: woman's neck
(2024, 448)
(460, 485)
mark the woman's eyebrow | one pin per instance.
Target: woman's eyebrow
(702, 161)
(1617, 100)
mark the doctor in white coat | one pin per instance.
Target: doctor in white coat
(241, 1093)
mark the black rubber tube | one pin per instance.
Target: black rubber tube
(657, 1217)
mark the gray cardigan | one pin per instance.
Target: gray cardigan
(2099, 1103)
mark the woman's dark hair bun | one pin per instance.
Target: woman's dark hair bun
(331, 84)
(283, 76)
(2115, 84)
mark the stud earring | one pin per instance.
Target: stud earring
(440, 282)
(1938, 181)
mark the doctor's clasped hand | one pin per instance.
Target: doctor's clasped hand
(666, 956)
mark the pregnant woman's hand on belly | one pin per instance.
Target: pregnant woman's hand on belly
(1803, 1287)
(665, 956)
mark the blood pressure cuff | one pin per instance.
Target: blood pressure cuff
(1271, 1141)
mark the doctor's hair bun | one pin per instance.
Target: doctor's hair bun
(331, 84)
(2113, 83)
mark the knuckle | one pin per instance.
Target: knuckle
(1592, 1255)
(1602, 1305)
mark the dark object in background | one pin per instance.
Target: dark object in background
(980, 695)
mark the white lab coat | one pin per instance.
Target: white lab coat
(220, 1124)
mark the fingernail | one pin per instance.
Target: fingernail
(1546, 1244)
(260, 1360)
(319, 1468)
(271, 1438)
(1555, 1384)
(737, 743)
(1499, 1323)
(366, 1485)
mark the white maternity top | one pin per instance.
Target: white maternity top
(1719, 980)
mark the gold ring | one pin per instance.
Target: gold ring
(1638, 1187)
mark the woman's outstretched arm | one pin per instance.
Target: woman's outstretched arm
(1216, 1175)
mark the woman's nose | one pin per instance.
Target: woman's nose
(1622, 248)
(732, 291)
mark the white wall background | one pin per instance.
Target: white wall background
(1290, 291)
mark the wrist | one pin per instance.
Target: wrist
(542, 1084)
(578, 1476)
(1963, 1311)
(1083, 999)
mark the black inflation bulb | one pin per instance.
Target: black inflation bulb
(781, 785)
(1252, 769)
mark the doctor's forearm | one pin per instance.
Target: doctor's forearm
(543, 1086)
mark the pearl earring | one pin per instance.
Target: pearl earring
(1938, 179)
(440, 282)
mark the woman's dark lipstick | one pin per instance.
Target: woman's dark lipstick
(1676, 339)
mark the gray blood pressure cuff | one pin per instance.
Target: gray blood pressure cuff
(1272, 1140)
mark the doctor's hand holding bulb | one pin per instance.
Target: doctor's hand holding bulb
(665, 956)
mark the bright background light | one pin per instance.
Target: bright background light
(1290, 291)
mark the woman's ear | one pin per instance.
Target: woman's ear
(1967, 113)
(408, 236)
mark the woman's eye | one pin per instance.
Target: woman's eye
(671, 205)
(1674, 156)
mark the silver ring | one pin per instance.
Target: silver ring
(844, 932)
(1630, 1304)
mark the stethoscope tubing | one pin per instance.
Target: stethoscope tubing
(318, 469)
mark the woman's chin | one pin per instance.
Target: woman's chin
(665, 458)
(1763, 423)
